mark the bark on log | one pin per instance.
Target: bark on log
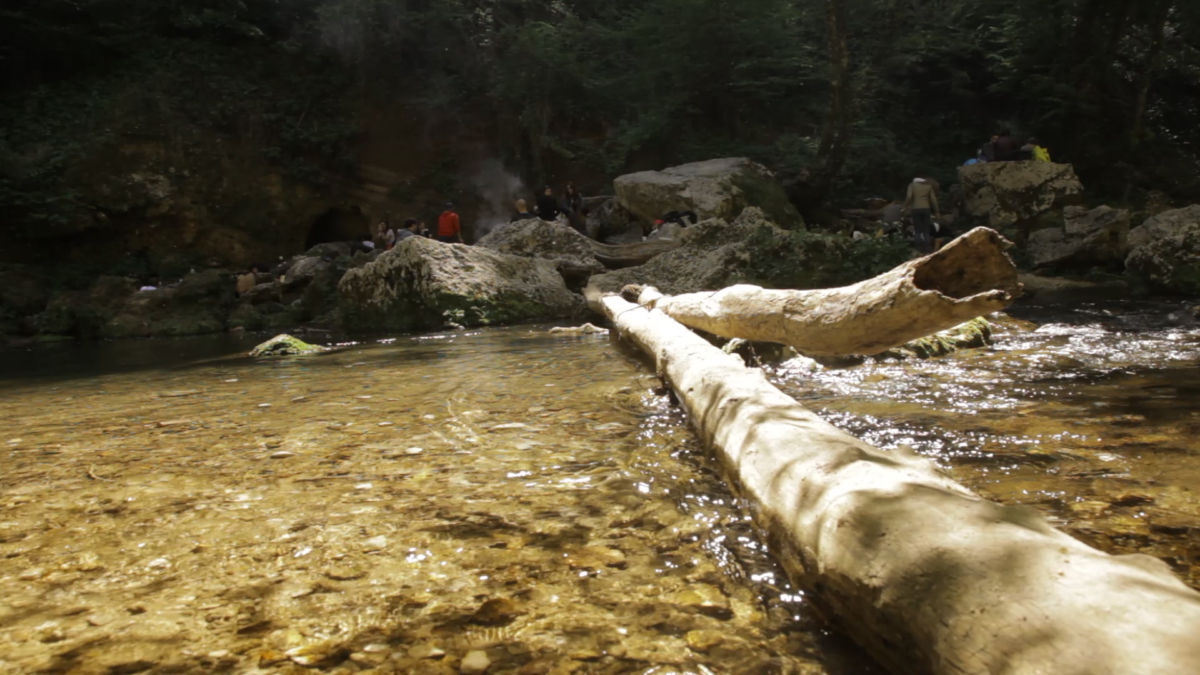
(620, 256)
(970, 277)
(927, 576)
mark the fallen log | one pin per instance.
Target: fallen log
(620, 256)
(924, 574)
(970, 277)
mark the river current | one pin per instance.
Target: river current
(395, 505)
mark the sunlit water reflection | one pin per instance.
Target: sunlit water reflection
(1092, 418)
(172, 506)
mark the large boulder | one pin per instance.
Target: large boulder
(1171, 261)
(1089, 238)
(423, 284)
(715, 254)
(718, 188)
(1012, 193)
(199, 305)
(570, 251)
(1162, 225)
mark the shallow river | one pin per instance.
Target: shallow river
(171, 506)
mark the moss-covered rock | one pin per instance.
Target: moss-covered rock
(752, 250)
(1170, 262)
(286, 345)
(974, 334)
(423, 285)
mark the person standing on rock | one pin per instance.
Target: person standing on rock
(547, 205)
(410, 230)
(385, 239)
(522, 212)
(573, 207)
(449, 226)
(922, 201)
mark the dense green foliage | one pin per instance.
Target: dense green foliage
(1111, 85)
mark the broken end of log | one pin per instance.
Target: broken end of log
(975, 264)
(631, 293)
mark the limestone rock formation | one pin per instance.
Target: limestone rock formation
(1096, 237)
(115, 308)
(1009, 193)
(1163, 224)
(199, 305)
(423, 284)
(715, 254)
(1171, 260)
(718, 188)
(571, 252)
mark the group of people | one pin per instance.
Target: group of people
(449, 231)
(550, 208)
(1003, 147)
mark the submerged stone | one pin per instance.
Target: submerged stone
(286, 345)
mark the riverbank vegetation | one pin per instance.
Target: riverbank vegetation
(853, 95)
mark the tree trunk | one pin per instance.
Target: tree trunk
(835, 143)
(1152, 59)
(927, 576)
(970, 277)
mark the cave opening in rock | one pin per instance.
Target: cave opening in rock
(337, 224)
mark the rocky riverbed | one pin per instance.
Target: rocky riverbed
(503, 502)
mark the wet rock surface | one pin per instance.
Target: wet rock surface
(285, 345)
(560, 518)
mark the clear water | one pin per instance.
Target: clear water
(1092, 418)
(173, 506)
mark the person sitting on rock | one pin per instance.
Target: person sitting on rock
(246, 282)
(449, 226)
(385, 238)
(547, 205)
(523, 212)
(680, 218)
(1006, 147)
(988, 152)
(1036, 152)
(411, 229)
(364, 243)
(921, 201)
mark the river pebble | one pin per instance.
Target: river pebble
(475, 663)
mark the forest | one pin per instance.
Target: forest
(846, 98)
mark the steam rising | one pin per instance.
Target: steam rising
(498, 188)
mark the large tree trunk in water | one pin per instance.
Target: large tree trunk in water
(970, 277)
(835, 143)
(927, 576)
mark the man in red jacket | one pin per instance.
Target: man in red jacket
(449, 227)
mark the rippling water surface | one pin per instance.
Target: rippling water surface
(172, 506)
(1090, 416)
